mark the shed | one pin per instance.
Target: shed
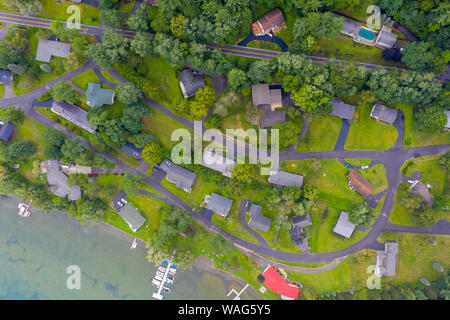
(6, 77)
(343, 226)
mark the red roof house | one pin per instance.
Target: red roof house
(275, 282)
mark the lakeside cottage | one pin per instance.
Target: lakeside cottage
(343, 226)
(57, 181)
(49, 48)
(131, 217)
(383, 113)
(271, 23)
(387, 260)
(96, 96)
(285, 179)
(218, 204)
(275, 282)
(72, 113)
(183, 178)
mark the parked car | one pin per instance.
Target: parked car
(120, 204)
(365, 167)
(124, 201)
(348, 165)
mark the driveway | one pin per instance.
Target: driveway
(342, 135)
(274, 39)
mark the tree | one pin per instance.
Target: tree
(236, 78)
(253, 114)
(141, 139)
(72, 149)
(80, 45)
(26, 7)
(310, 192)
(442, 202)
(412, 202)
(417, 56)
(361, 215)
(393, 54)
(63, 33)
(177, 26)
(153, 153)
(131, 183)
(310, 98)
(63, 91)
(204, 99)
(14, 115)
(138, 21)
(97, 117)
(128, 93)
(131, 119)
(156, 256)
(111, 18)
(431, 119)
(181, 106)
(142, 44)
(20, 150)
(173, 50)
(90, 210)
(243, 172)
(184, 259)
(112, 49)
(349, 80)
(424, 215)
(259, 70)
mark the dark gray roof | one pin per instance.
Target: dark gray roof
(271, 118)
(385, 38)
(301, 221)
(58, 182)
(383, 113)
(260, 222)
(182, 177)
(48, 48)
(219, 204)
(6, 76)
(72, 113)
(343, 110)
(387, 260)
(254, 209)
(350, 27)
(6, 131)
(132, 217)
(216, 162)
(286, 179)
(344, 227)
(260, 94)
(132, 150)
(190, 83)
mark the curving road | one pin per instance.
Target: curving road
(392, 160)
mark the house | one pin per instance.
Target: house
(385, 39)
(275, 282)
(286, 179)
(132, 150)
(96, 96)
(6, 77)
(219, 204)
(49, 48)
(57, 181)
(387, 260)
(447, 113)
(361, 185)
(183, 178)
(344, 227)
(270, 23)
(342, 110)
(131, 217)
(6, 131)
(72, 113)
(269, 98)
(296, 233)
(350, 28)
(216, 162)
(419, 187)
(383, 113)
(190, 82)
(258, 221)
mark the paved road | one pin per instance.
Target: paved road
(97, 31)
(392, 160)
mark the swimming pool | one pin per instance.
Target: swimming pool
(366, 34)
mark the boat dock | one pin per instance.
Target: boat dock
(238, 294)
(168, 272)
(24, 209)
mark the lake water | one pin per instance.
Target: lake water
(35, 253)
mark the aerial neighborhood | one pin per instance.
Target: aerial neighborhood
(97, 122)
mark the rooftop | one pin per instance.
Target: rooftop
(96, 96)
(58, 182)
(6, 131)
(190, 83)
(48, 48)
(254, 209)
(387, 259)
(350, 27)
(5, 77)
(72, 113)
(383, 113)
(386, 39)
(271, 21)
(301, 221)
(217, 162)
(260, 222)
(182, 177)
(132, 217)
(344, 227)
(361, 185)
(219, 204)
(286, 179)
(275, 282)
(343, 110)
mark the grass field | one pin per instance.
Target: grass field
(108, 76)
(58, 11)
(322, 133)
(367, 134)
(2, 90)
(127, 7)
(376, 175)
(83, 79)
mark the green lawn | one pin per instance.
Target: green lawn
(127, 7)
(432, 172)
(83, 79)
(359, 162)
(58, 11)
(323, 132)
(376, 175)
(2, 90)
(108, 76)
(416, 138)
(367, 134)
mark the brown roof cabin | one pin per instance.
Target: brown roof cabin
(271, 22)
(360, 184)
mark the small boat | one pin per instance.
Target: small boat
(166, 290)
(158, 278)
(170, 273)
(161, 269)
(156, 282)
(170, 278)
(168, 281)
(159, 274)
(174, 266)
(134, 244)
(154, 285)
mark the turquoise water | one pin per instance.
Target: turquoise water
(366, 34)
(35, 253)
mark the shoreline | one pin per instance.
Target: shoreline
(201, 263)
